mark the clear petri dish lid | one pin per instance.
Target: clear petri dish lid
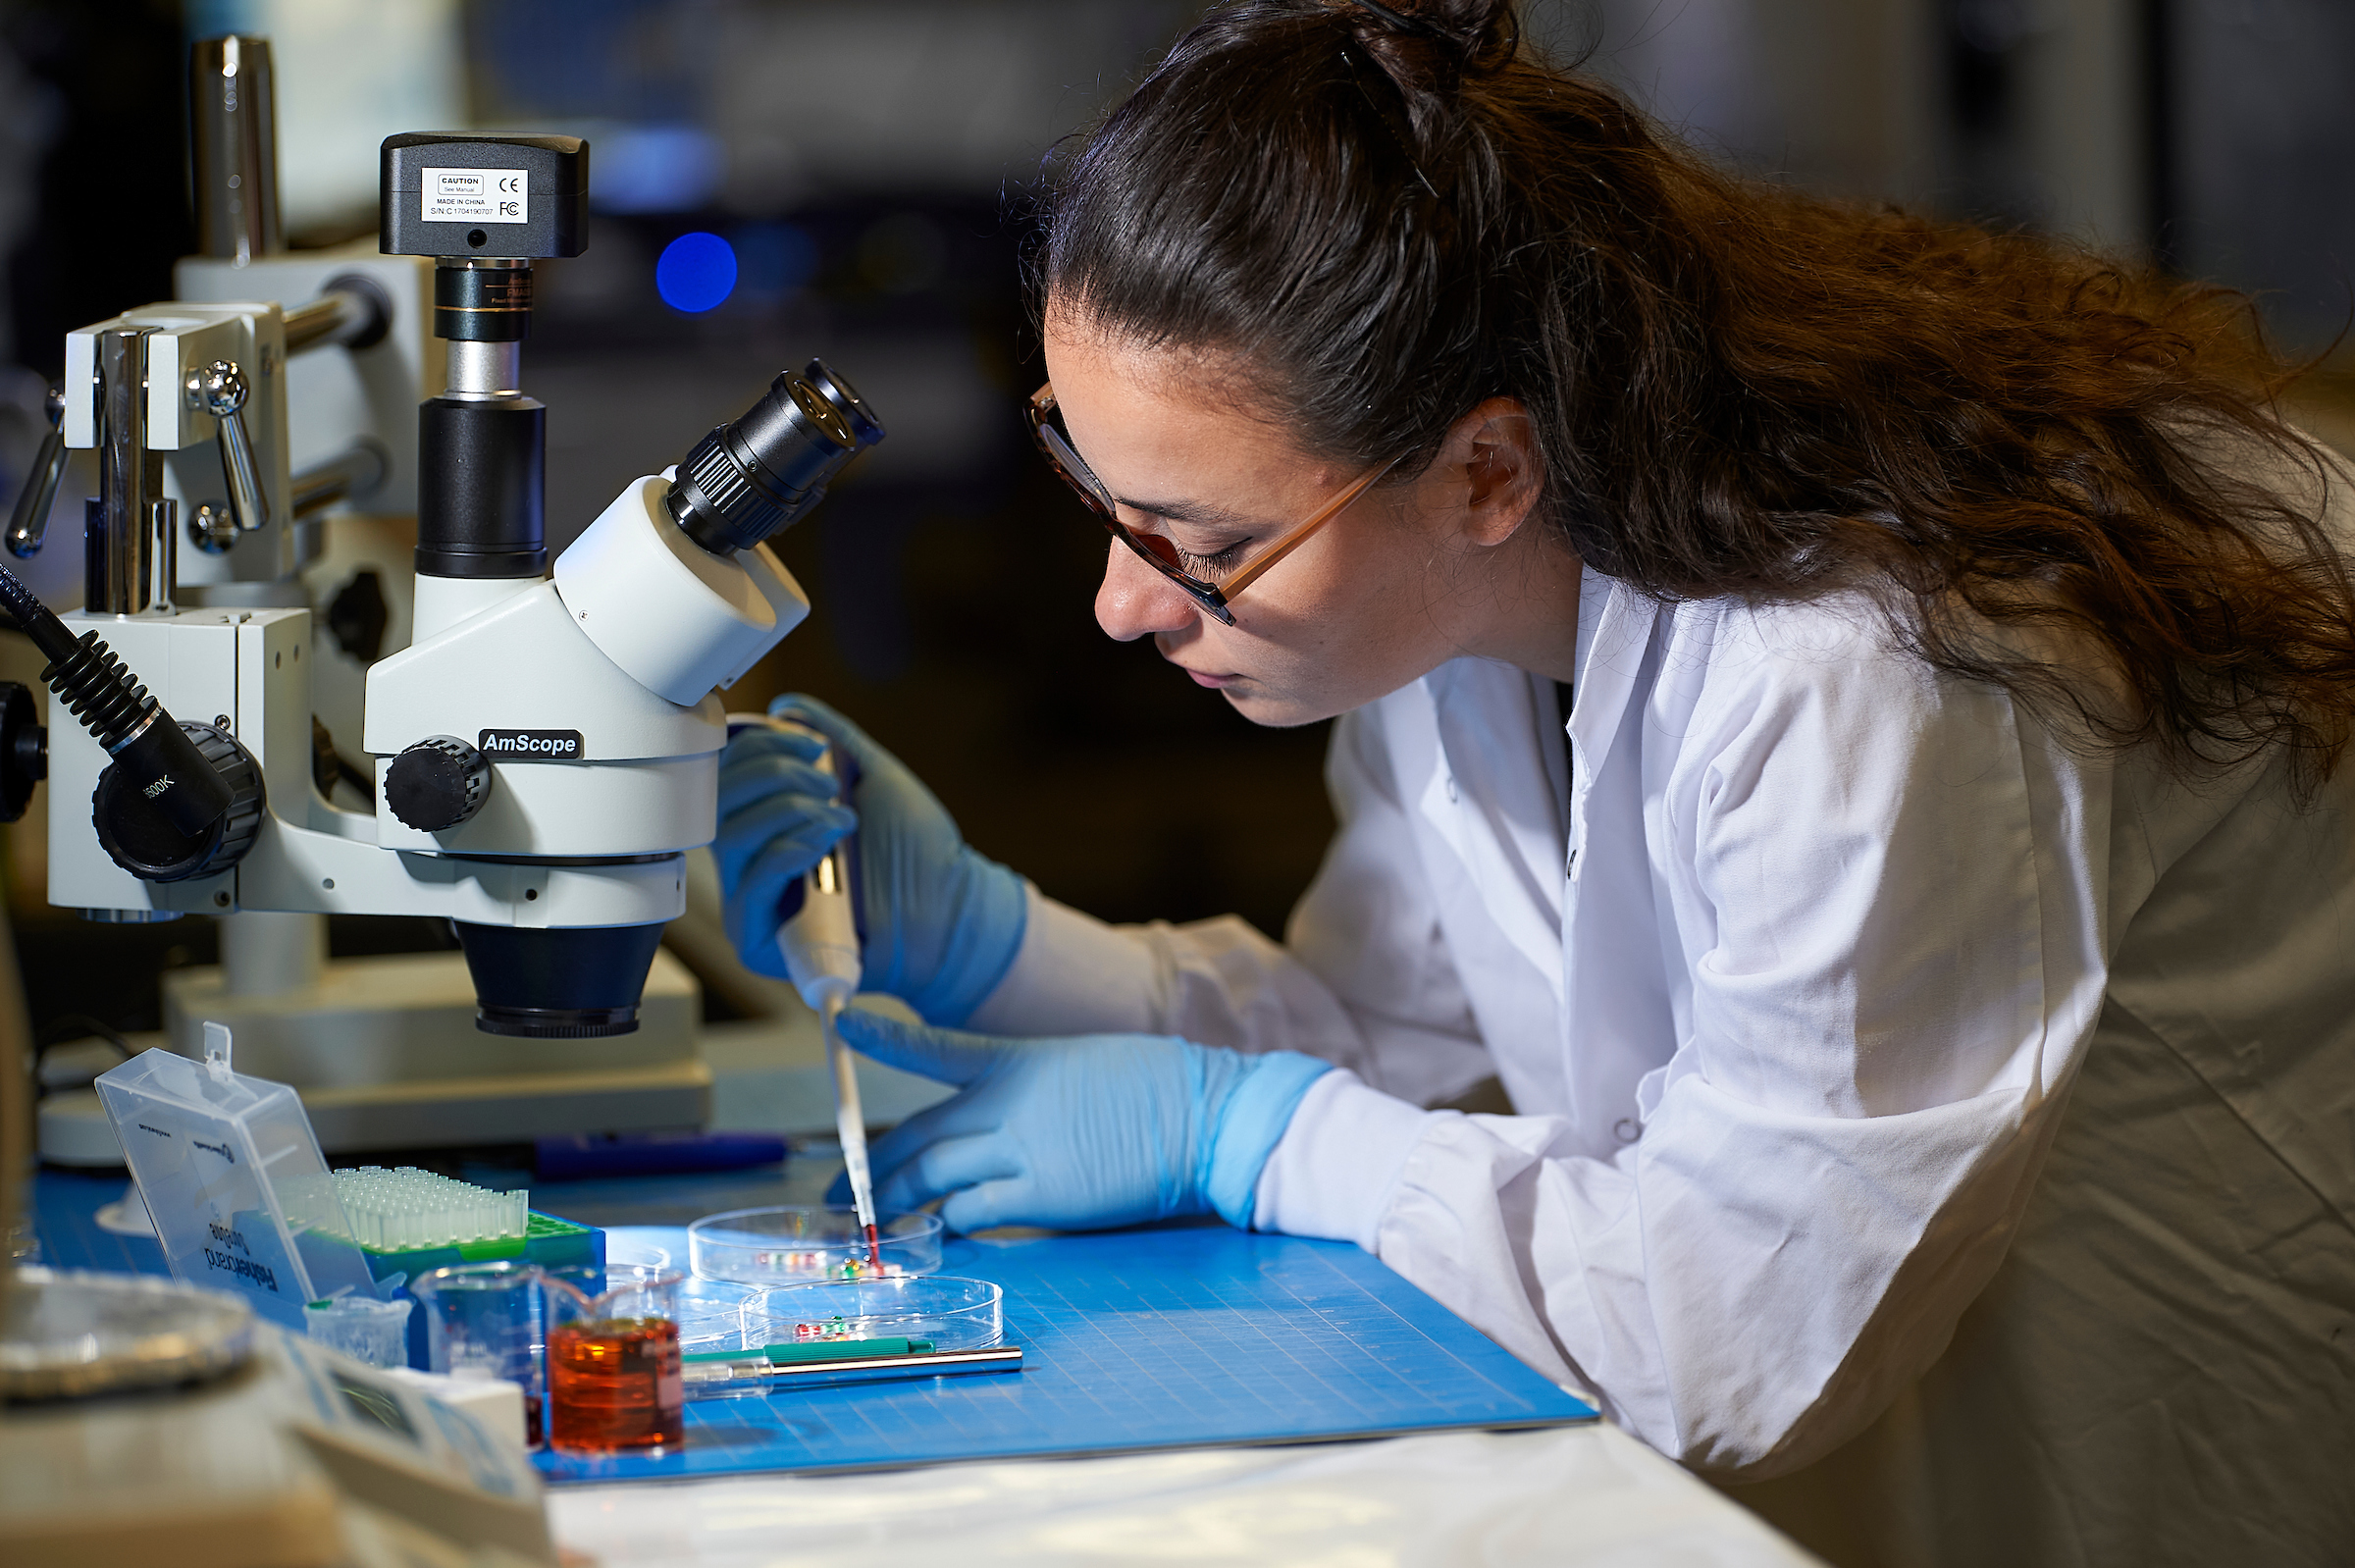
(954, 1314)
(625, 1247)
(783, 1246)
(708, 1313)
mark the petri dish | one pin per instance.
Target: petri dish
(954, 1314)
(628, 1244)
(783, 1246)
(67, 1334)
(708, 1314)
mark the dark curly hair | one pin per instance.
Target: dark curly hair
(1380, 217)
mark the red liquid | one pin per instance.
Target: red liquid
(614, 1384)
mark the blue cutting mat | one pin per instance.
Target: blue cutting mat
(1167, 1339)
(66, 1207)
(1164, 1338)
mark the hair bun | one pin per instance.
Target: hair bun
(1474, 38)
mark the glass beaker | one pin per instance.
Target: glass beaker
(376, 1333)
(485, 1319)
(613, 1371)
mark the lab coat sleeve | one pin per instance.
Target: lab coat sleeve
(1888, 889)
(1365, 981)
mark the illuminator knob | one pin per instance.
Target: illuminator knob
(132, 807)
(437, 783)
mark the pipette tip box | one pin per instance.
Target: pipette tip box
(242, 1199)
(569, 1251)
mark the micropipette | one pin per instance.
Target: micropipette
(821, 944)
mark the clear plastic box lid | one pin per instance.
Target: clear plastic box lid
(240, 1195)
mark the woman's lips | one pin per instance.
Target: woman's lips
(1203, 679)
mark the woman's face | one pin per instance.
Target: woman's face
(1393, 586)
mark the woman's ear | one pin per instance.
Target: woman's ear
(1490, 471)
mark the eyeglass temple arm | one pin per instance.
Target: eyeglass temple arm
(1293, 540)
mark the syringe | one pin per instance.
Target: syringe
(820, 945)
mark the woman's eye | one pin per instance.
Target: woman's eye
(1223, 561)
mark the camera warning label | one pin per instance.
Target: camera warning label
(476, 196)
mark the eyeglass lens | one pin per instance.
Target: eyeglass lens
(1089, 486)
(1069, 460)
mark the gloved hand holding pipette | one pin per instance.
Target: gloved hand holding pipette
(817, 940)
(906, 904)
(940, 924)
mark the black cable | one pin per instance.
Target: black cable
(50, 1037)
(54, 1035)
(84, 672)
(151, 748)
(48, 632)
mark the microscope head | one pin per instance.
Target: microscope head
(612, 660)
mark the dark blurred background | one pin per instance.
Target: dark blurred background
(870, 167)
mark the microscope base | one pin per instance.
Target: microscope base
(385, 1055)
(437, 1112)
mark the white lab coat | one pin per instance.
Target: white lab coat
(1955, 1125)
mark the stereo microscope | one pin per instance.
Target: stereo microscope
(546, 748)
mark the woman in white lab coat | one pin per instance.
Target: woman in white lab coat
(1844, 717)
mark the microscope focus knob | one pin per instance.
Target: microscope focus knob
(437, 783)
(24, 749)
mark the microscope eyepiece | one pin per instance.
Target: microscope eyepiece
(746, 480)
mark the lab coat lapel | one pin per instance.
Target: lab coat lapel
(1609, 957)
(1493, 804)
(1608, 680)
(1464, 745)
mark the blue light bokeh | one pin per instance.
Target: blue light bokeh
(696, 272)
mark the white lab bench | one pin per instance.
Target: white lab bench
(1576, 1496)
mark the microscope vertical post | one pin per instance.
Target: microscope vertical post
(233, 149)
(126, 567)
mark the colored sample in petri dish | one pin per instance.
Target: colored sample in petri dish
(780, 1245)
(953, 1314)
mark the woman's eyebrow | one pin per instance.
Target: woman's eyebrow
(1192, 511)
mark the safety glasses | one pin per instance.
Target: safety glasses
(1155, 549)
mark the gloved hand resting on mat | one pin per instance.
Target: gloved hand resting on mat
(943, 923)
(1079, 1133)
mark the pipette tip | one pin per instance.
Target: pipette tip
(874, 1248)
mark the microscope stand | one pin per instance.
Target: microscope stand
(385, 1055)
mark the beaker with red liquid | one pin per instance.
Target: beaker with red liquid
(613, 1377)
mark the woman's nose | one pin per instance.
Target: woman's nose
(1137, 600)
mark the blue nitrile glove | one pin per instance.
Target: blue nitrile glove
(1079, 1133)
(942, 923)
